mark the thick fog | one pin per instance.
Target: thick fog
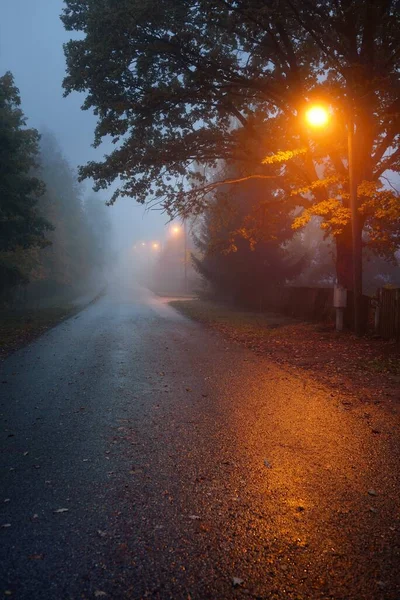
(31, 47)
(133, 242)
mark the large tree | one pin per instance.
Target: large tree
(175, 83)
(22, 228)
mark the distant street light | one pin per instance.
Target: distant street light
(177, 230)
(156, 246)
(318, 116)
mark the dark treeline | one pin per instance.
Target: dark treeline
(54, 241)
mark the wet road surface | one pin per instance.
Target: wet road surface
(143, 456)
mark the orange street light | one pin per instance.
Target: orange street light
(155, 245)
(317, 116)
(176, 229)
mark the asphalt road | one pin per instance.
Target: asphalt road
(143, 456)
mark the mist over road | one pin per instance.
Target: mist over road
(143, 456)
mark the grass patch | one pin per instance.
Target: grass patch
(341, 358)
(18, 328)
(214, 313)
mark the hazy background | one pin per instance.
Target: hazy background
(31, 39)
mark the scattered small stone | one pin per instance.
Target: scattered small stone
(267, 464)
(381, 584)
(194, 517)
(373, 510)
(236, 581)
(372, 493)
(6, 525)
(7, 500)
(61, 510)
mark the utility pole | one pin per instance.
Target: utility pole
(356, 233)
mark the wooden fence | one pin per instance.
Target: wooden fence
(387, 315)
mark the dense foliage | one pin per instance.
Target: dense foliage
(49, 236)
(22, 228)
(237, 266)
(203, 80)
(80, 239)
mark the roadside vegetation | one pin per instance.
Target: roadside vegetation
(54, 239)
(54, 243)
(18, 328)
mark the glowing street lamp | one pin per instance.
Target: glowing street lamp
(178, 230)
(318, 117)
(155, 246)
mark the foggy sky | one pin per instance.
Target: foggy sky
(31, 38)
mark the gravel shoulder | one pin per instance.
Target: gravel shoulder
(368, 368)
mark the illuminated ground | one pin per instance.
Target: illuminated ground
(190, 468)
